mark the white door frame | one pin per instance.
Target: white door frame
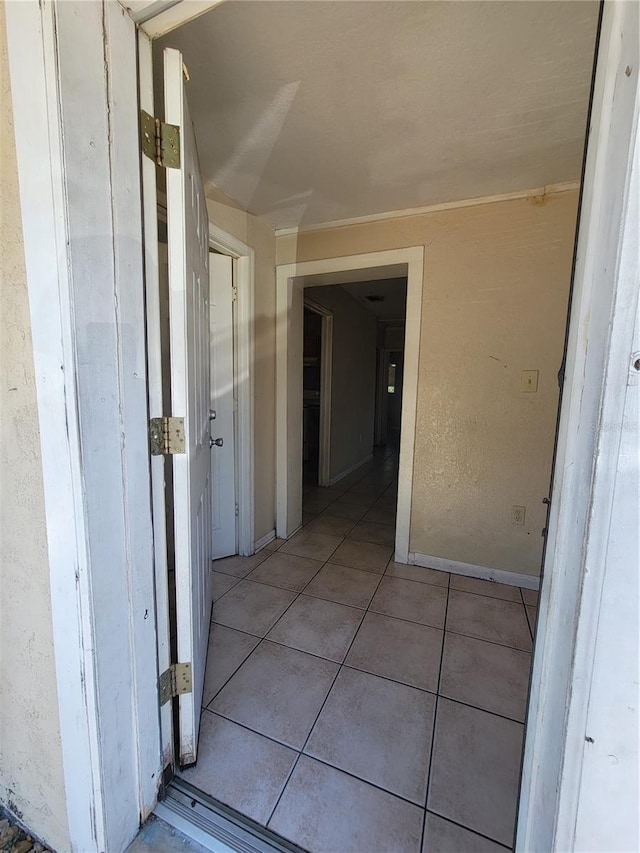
(599, 359)
(289, 299)
(243, 344)
(326, 373)
(107, 700)
(74, 89)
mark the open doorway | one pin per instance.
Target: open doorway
(353, 358)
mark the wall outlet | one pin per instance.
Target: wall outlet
(529, 381)
(517, 515)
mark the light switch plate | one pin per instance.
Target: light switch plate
(529, 381)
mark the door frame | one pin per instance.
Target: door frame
(326, 374)
(243, 378)
(110, 713)
(290, 286)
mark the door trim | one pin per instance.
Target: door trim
(289, 298)
(326, 370)
(243, 343)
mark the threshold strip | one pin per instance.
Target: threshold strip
(215, 826)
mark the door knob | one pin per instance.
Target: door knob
(212, 415)
(217, 441)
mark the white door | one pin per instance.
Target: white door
(223, 474)
(188, 242)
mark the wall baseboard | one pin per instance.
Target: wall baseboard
(471, 571)
(353, 468)
(263, 541)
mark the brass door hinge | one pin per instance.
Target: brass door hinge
(160, 141)
(166, 436)
(175, 681)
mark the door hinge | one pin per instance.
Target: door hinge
(160, 141)
(234, 293)
(166, 436)
(175, 681)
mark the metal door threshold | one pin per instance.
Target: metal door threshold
(215, 826)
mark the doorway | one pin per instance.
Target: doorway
(291, 284)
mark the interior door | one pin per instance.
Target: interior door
(188, 251)
(223, 473)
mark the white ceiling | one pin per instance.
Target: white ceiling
(394, 297)
(307, 112)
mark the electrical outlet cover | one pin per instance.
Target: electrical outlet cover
(517, 515)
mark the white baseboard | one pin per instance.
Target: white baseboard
(353, 468)
(263, 541)
(471, 571)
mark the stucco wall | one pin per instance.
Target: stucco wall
(496, 284)
(353, 377)
(31, 776)
(260, 237)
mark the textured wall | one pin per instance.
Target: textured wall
(259, 236)
(31, 777)
(496, 283)
(353, 378)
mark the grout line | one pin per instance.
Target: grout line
(435, 715)
(487, 594)
(320, 710)
(468, 829)
(392, 680)
(478, 708)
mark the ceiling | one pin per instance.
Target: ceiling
(307, 112)
(393, 293)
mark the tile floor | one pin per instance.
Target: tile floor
(355, 704)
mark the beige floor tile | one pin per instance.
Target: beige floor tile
(378, 730)
(481, 587)
(475, 770)
(252, 607)
(417, 573)
(240, 768)
(222, 583)
(361, 497)
(277, 692)
(344, 585)
(317, 626)
(334, 525)
(227, 649)
(344, 509)
(315, 546)
(237, 566)
(381, 515)
(417, 602)
(274, 545)
(494, 678)
(487, 618)
(404, 651)
(286, 571)
(442, 836)
(362, 555)
(327, 811)
(315, 505)
(530, 596)
(368, 531)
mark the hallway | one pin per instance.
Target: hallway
(356, 704)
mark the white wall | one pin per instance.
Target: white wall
(353, 378)
(496, 281)
(31, 775)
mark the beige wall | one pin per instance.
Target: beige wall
(226, 214)
(31, 777)
(353, 379)
(495, 298)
